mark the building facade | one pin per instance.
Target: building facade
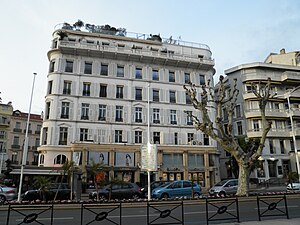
(278, 156)
(5, 117)
(100, 87)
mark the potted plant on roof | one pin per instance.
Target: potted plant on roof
(61, 35)
(78, 25)
(67, 26)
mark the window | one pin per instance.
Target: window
(88, 68)
(18, 125)
(156, 137)
(60, 159)
(205, 139)
(45, 135)
(282, 150)
(52, 66)
(67, 87)
(155, 95)
(190, 137)
(271, 146)
(119, 92)
(138, 114)
(155, 75)
(119, 113)
(69, 66)
(85, 111)
(118, 136)
(239, 128)
(156, 117)
(187, 78)
(238, 111)
(16, 140)
(35, 158)
(50, 87)
(38, 129)
(42, 159)
(86, 90)
(188, 99)
(171, 76)
(202, 79)
(138, 137)
(120, 71)
(47, 114)
(292, 145)
(2, 134)
(83, 134)
(255, 125)
(14, 157)
(189, 118)
(65, 110)
(103, 90)
(102, 112)
(138, 94)
(37, 142)
(104, 70)
(138, 73)
(173, 117)
(63, 135)
(172, 96)
(176, 138)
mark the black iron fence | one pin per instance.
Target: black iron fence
(209, 210)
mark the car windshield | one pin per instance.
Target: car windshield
(221, 183)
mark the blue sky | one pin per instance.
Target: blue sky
(236, 31)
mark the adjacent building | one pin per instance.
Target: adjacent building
(101, 85)
(278, 157)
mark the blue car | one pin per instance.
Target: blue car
(179, 188)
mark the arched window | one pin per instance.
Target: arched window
(42, 159)
(60, 159)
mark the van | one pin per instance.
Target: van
(224, 187)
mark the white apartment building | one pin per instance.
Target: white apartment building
(96, 109)
(278, 156)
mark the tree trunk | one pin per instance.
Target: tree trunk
(243, 187)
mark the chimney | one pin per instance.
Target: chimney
(282, 51)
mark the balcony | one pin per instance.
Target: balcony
(192, 60)
(29, 131)
(15, 146)
(277, 113)
(17, 130)
(276, 133)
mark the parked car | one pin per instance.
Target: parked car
(224, 187)
(179, 188)
(293, 187)
(62, 189)
(7, 193)
(153, 185)
(124, 190)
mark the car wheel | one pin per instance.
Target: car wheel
(164, 195)
(2, 199)
(222, 194)
(102, 197)
(196, 195)
(135, 196)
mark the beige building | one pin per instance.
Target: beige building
(99, 84)
(278, 157)
(5, 117)
(17, 137)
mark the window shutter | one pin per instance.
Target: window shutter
(56, 129)
(81, 66)
(144, 115)
(70, 135)
(59, 109)
(125, 92)
(125, 114)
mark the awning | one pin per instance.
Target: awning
(36, 172)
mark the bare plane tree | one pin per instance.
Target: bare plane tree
(220, 102)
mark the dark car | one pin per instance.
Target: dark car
(61, 191)
(124, 190)
(153, 185)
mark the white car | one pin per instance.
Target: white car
(293, 187)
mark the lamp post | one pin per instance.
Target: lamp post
(288, 95)
(25, 149)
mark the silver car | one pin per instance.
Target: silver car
(7, 193)
(224, 187)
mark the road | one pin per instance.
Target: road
(136, 213)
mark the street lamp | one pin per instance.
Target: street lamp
(287, 95)
(25, 149)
